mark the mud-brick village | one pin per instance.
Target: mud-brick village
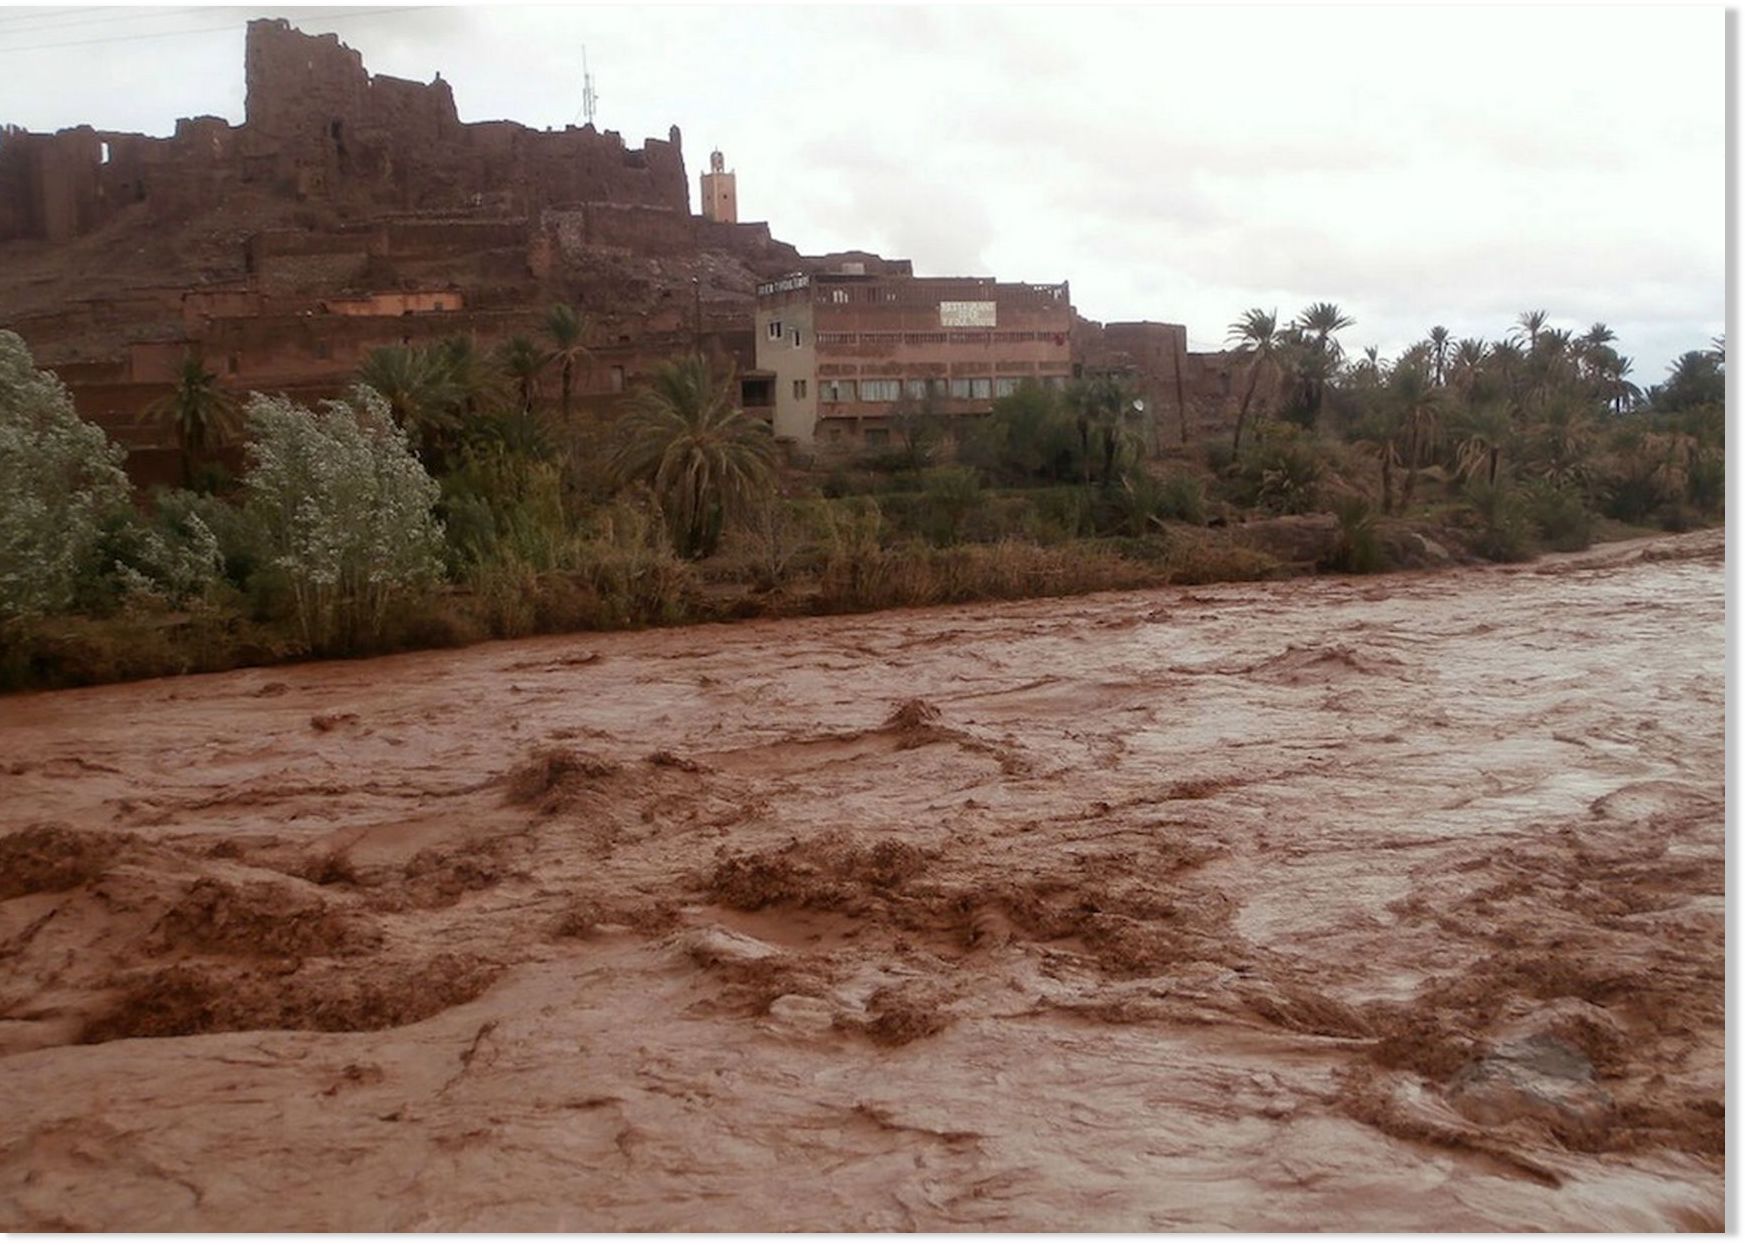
(529, 702)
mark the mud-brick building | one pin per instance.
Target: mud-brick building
(839, 353)
(1152, 359)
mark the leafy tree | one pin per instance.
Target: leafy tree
(1028, 437)
(918, 428)
(345, 510)
(706, 460)
(197, 415)
(59, 477)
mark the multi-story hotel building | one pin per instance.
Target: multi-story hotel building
(839, 352)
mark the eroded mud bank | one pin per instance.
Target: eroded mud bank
(1366, 904)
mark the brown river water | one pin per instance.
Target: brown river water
(1381, 903)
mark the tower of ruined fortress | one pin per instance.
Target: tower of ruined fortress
(320, 128)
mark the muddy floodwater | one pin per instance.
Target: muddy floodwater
(1385, 903)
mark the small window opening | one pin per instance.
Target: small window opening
(775, 330)
(103, 153)
(617, 380)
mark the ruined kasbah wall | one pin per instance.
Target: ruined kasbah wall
(320, 128)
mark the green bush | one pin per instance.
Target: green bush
(1358, 551)
(1560, 517)
(950, 495)
(1500, 528)
(1705, 485)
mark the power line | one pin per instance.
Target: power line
(347, 15)
(132, 15)
(38, 14)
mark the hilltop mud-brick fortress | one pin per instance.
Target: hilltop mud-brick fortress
(351, 211)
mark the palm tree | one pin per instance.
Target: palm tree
(1417, 405)
(198, 415)
(478, 381)
(1256, 334)
(1101, 404)
(1469, 356)
(1615, 385)
(1533, 322)
(569, 332)
(523, 361)
(422, 396)
(1439, 353)
(1596, 343)
(1486, 428)
(1320, 351)
(704, 458)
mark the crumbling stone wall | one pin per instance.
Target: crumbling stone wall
(319, 127)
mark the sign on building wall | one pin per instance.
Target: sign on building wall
(966, 315)
(783, 286)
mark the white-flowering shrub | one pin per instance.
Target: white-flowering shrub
(59, 476)
(345, 508)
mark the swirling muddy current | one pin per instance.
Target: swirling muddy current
(1371, 903)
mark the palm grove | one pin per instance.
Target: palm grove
(457, 492)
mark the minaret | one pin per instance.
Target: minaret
(719, 201)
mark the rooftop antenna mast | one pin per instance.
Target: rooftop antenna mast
(589, 99)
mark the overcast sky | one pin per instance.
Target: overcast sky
(1416, 165)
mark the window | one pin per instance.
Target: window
(799, 389)
(915, 389)
(938, 387)
(839, 296)
(878, 436)
(880, 390)
(235, 362)
(836, 390)
(617, 380)
(836, 433)
(796, 337)
(960, 387)
(103, 154)
(1006, 386)
(981, 387)
(321, 350)
(775, 330)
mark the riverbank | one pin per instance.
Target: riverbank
(152, 641)
(1383, 903)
